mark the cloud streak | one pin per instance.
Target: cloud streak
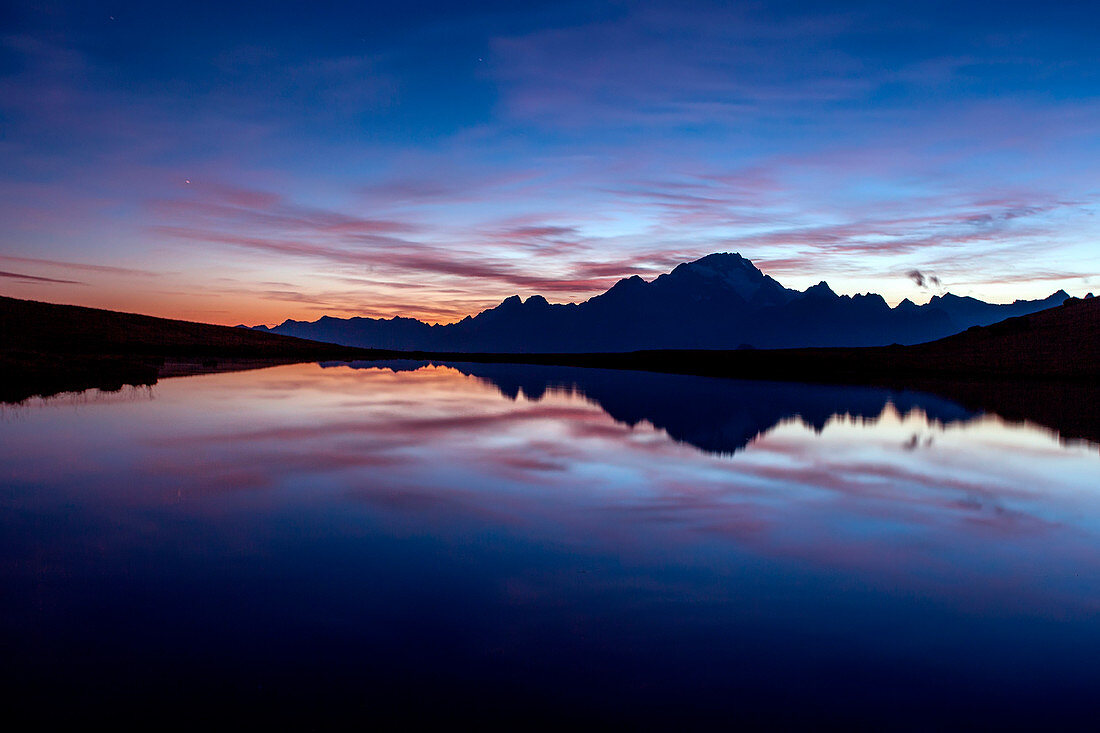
(78, 266)
(37, 279)
(923, 281)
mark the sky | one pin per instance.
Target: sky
(250, 162)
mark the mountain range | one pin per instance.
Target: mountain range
(718, 302)
(721, 301)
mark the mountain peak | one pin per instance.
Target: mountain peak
(729, 271)
(873, 298)
(626, 283)
(1056, 297)
(950, 298)
(821, 289)
(722, 261)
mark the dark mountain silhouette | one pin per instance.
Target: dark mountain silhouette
(721, 301)
(1058, 343)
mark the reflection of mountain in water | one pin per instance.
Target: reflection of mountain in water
(393, 365)
(714, 415)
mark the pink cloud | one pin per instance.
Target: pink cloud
(77, 266)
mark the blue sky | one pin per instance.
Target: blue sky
(252, 162)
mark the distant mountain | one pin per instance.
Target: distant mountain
(720, 301)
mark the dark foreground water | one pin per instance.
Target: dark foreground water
(516, 544)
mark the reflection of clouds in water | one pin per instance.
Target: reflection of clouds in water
(420, 516)
(805, 474)
(916, 440)
(715, 415)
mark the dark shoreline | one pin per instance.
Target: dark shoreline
(1062, 405)
(48, 349)
(1043, 368)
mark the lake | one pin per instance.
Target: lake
(516, 543)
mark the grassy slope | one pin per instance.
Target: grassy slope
(1058, 342)
(48, 328)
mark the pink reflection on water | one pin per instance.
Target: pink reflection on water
(975, 506)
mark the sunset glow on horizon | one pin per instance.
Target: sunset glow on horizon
(249, 164)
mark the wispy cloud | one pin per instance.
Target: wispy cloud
(923, 280)
(79, 266)
(37, 279)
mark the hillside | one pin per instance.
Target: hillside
(1063, 342)
(47, 348)
(33, 326)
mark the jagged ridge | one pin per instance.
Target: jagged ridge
(720, 301)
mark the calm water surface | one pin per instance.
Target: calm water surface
(495, 541)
